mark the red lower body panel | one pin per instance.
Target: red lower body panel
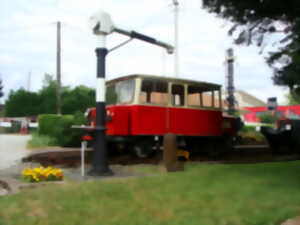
(156, 120)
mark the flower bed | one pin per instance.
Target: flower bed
(40, 174)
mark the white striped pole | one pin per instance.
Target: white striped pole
(100, 164)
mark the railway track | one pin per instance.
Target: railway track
(240, 154)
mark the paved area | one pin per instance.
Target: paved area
(12, 149)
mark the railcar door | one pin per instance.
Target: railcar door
(149, 116)
(195, 110)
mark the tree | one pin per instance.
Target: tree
(78, 99)
(48, 94)
(291, 100)
(22, 103)
(254, 20)
(1, 89)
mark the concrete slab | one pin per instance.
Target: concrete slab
(12, 149)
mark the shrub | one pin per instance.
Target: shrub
(252, 137)
(76, 134)
(248, 128)
(268, 118)
(59, 128)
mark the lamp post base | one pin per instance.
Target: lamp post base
(99, 172)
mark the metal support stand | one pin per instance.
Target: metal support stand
(83, 148)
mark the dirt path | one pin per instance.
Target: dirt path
(12, 149)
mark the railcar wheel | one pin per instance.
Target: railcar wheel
(213, 150)
(228, 144)
(143, 148)
(216, 149)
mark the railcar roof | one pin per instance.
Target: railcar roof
(168, 79)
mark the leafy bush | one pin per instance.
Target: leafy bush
(59, 128)
(252, 137)
(249, 135)
(268, 118)
(248, 128)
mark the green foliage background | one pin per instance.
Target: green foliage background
(24, 103)
(268, 118)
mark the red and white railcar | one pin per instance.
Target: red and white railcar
(142, 108)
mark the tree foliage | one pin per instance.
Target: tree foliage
(255, 20)
(78, 99)
(1, 88)
(292, 99)
(23, 103)
(48, 94)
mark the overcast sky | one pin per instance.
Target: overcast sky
(28, 44)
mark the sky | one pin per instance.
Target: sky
(28, 44)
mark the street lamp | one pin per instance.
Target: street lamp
(102, 25)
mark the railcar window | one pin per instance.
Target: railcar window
(178, 95)
(194, 96)
(208, 99)
(200, 96)
(121, 92)
(154, 92)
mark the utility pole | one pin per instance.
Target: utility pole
(58, 68)
(29, 81)
(230, 81)
(176, 37)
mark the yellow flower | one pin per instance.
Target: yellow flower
(42, 174)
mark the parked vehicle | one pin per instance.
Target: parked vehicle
(285, 137)
(141, 109)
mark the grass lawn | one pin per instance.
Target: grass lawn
(39, 141)
(260, 194)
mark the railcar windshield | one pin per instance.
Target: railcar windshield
(121, 92)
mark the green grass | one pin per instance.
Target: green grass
(38, 141)
(257, 194)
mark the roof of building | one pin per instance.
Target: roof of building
(250, 99)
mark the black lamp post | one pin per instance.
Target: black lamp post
(99, 164)
(102, 26)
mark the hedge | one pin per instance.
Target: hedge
(59, 128)
(247, 128)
